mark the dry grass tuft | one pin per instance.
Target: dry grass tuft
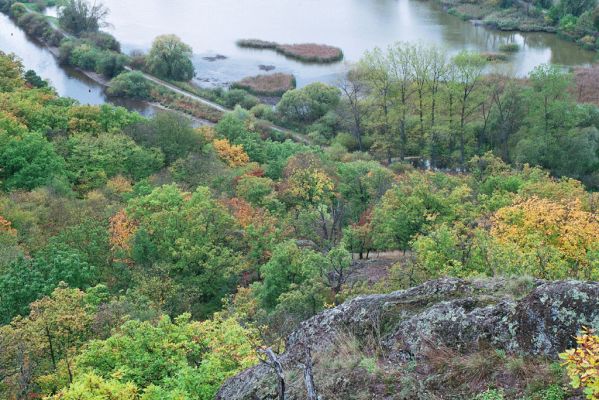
(267, 85)
(306, 52)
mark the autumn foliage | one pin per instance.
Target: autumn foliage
(6, 227)
(122, 229)
(582, 364)
(536, 225)
(232, 154)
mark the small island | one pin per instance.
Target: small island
(306, 52)
(267, 85)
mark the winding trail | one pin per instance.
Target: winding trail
(296, 136)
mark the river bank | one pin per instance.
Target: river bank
(521, 16)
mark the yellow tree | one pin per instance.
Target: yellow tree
(122, 228)
(233, 155)
(562, 237)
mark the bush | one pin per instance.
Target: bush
(89, 58)
(491, 394)
(110, 64)
(131, 85)
(240, 97)
(17, 10)
(102, 40)
(509, 47)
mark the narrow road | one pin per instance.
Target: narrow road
(296, 136)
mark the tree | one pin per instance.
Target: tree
(170, 359)
(44, 343)
(78, 16)
(375, 71)
(353, 89)
(309, 103)
(28, 162)
(289, 265)
(25, 280)
(468, 69)
(191, 240)
(575, 7)
(562, 238)
(130, 84)
(233, 155)
(170, 132)
(92, 160)
(170, 58)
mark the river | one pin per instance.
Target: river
(67, 82)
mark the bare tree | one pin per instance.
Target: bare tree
(353, 88)
(403, 76)
(273, 362)
(79, 16)
(309, 377)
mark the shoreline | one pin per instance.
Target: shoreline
(519, 18)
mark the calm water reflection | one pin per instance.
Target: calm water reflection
(213, 26)
(67, 83)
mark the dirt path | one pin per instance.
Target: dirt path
(296, 136)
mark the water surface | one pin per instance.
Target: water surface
(213, 26)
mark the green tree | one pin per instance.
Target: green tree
(28, 162)
(78, 16)
(289, 265)
(309, 103)
(170, 132)
(170, 58)
(131, 85)
(24, 281)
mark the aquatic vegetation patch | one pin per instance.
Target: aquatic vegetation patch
(267, 85)
(306, 52)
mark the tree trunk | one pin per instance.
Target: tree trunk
(275, 364)
(309, 377)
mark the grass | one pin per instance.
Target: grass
(175, 101)
(267, 85)
(494, 56)
(509, 47)
(306, 52)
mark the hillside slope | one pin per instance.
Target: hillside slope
(444, 339)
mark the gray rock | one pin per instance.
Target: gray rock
(454, 313)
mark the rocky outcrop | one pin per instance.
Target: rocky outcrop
(533, 318)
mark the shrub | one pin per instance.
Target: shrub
(89, 58)
(568, 23)
(17, 10)
(240, 97)
(110, 63)
(509, 47)
(582, 364)
(267, 85)
(102, 40)
(130, 84)
(491, 394)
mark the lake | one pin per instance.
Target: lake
(213, 26)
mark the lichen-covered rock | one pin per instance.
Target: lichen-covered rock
(450, 313)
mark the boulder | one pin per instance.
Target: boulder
(532, 318)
